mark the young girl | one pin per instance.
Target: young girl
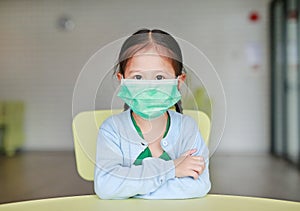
(149, 151)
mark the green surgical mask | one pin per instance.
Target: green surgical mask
(149, 98)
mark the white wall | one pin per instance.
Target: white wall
(40, 63)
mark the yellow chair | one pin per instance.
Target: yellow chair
(85, 130)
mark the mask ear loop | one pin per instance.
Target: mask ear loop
(178, 105)
(125, 107)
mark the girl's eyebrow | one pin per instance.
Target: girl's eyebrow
(130, 70)
(133, 72)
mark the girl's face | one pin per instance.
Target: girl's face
(149, 65)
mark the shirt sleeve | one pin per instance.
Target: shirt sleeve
(181, 188)
(113, 180)
(186, 187)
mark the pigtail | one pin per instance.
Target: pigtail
(125, 107)
(178, 107)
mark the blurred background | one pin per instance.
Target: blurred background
(253, 45)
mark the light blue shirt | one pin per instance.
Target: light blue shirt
(118, 146)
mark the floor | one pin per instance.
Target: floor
(38, 175)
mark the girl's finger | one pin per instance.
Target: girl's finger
(194, 174)
(190, 152)
(197, 158)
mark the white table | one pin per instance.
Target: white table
(210, 202)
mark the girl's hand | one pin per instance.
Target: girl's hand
(188, 165)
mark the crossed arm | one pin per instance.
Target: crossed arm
(183, 177)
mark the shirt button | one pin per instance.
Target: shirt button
(161, 180)
(165, 143)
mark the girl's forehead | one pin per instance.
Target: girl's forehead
(155, 50)
(150, 62)
(165, 73)
(150, 56)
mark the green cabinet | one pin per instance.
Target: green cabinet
(11, 126)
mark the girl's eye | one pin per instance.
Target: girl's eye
(137, 77)
(159, 77)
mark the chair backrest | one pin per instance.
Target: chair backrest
(85, 130)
